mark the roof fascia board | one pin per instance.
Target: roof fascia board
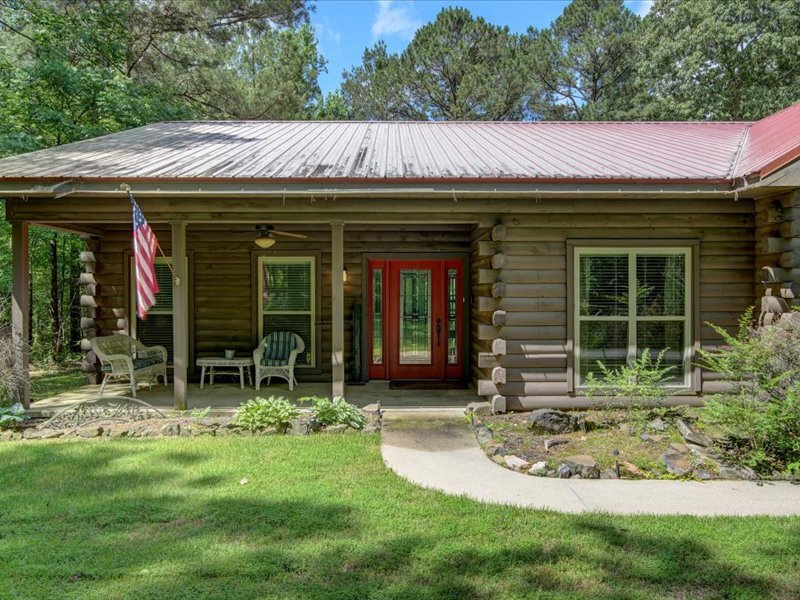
(211, 190)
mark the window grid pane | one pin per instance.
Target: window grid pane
(287, 301)
(377, 316)
(156, 329)
(658, 315)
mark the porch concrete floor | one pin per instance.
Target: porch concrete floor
(224, 397)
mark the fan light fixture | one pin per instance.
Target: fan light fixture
(265, 240)
(268, 233)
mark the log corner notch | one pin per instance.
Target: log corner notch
(90, 364)
(498, 404)
(778, 255)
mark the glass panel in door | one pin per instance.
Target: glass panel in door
(415, 317)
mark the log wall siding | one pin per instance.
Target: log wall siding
(520, 288)
(778, 254)
(519, 306)
(222, 278)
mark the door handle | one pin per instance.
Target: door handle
(439, 332)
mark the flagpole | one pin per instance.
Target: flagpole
(125, 187)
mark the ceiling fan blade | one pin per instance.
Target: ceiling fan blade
(299, 236)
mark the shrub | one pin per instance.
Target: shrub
(10, 379)
(761, 412)
(336, 412)
(260, 413)
(633, 386)
(11, 415)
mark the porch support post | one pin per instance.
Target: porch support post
(20, 300)
(337, 306)
(180, 316)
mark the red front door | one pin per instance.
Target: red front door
(416, 312)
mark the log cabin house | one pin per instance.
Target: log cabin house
(511, 256)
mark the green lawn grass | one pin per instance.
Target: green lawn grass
(321, 517)
(53, 380)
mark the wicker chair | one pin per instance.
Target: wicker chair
(276, 356)
(121, 356)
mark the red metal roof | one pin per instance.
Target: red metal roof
(771, 143)
(425, 151)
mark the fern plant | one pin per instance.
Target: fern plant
(635, 386)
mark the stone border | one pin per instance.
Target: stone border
(686, 461)
(185, 426)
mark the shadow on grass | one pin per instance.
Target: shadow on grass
(173, 520)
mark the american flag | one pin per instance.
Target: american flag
(144, 252)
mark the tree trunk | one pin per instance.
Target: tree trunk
(55, 299)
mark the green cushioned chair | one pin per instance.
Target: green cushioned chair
(276, 356)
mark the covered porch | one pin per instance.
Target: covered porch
(225, 397)
(215, 301)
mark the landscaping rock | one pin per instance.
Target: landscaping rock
(657, 424)
(608, 474)
(627, 428)
(484, 434)
(42, 434)
(6, 436)
(648, 437)
(539, 468)
(336, 429)
(583, 465)
(704, 474)
(499, 459)
(690, 434)
(89, 432)
(493, 448)
(368, 429)
(679, 448)
(677, 464)
(554, 421)
(554, 442)
(516, 463)
(479, 408)
(736, 472)
(564, 472)
(171, 429)
(631, 469)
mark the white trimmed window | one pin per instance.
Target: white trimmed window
(287, 293)
(156, 329)
(628, 300)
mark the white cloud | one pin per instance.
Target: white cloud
(325, 31)
(395, 18)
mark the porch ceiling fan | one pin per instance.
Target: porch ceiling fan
(268, 233)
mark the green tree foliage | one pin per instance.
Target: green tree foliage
(71, 70)
(586, 61)
(267, 75)
(457, 68)
(720, 60)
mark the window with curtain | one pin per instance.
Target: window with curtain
(629, 301)
(156, 329)
(287, 295)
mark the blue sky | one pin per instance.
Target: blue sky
(345, 27)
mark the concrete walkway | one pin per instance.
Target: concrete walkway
(438, 450)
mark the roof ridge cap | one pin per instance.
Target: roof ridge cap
(740, 151)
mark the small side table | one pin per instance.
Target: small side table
(228, 366)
